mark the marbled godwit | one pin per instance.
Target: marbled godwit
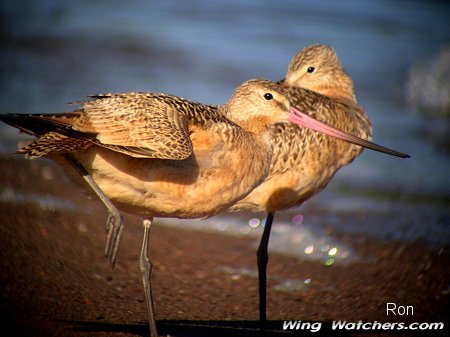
(304, 161)
(157, 155)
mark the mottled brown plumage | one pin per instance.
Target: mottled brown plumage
(304, 160)
(200, 152)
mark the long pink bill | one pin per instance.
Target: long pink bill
(303, 119)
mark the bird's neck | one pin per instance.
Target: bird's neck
(342, 90)
(258, 125)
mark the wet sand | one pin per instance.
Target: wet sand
(55, 282)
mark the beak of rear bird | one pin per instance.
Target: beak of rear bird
(283, 83)
(302, 119)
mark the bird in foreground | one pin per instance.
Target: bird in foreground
(304, 161)
(157, 155)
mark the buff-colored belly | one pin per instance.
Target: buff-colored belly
(191, 188)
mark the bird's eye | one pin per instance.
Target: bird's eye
(268, 96)
(310, 69)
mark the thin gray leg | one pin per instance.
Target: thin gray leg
(146, 270)
(114, 223)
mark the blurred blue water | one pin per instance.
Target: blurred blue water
(56, 51)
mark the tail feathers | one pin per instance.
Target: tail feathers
(38, 125)
(52, 143)
(54, 133)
